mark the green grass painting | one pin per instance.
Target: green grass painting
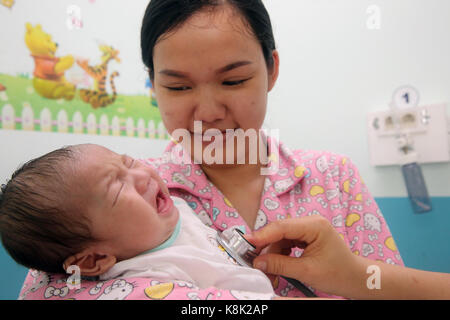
(127, 116)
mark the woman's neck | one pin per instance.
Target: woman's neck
(242, 185)
(225, 177)
(230, 175)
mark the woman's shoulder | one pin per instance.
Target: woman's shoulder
(315, 154)
(321, 160)
(154, 162)
(173, 156)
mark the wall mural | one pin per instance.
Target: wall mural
(46, 85)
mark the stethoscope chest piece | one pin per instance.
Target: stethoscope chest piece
(243, 252)
(234, 243)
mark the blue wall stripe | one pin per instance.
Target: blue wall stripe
(11, 276)
(423, 239)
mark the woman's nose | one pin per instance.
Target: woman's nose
(209, 108)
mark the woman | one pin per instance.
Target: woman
(212, 64)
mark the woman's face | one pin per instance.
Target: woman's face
(212, 69)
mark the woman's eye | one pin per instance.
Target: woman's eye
(178, 88)
(234, 83)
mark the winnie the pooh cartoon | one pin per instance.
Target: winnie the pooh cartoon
(49, 80)
(7, 3)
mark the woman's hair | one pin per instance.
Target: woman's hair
(163, 16)
(40, 225)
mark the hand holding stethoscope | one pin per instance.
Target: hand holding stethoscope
(328, 265)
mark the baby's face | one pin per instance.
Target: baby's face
(128, 204)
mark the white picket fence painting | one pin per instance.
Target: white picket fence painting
(91, 125)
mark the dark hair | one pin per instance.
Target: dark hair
(39, 226)
(163, 16)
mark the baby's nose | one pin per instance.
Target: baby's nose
(141, 180)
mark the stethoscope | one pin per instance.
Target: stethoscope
(243, 252)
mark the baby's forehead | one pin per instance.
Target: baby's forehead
(95, 166)
(96, 161)
(95, 149)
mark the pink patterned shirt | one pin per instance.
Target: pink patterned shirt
(305, 183)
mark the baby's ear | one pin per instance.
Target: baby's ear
(91, 263)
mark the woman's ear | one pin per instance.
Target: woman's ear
(274, 70)
(91, 263)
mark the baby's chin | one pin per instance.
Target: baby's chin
(172, 220)
(175, 215)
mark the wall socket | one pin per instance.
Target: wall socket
(419, 134)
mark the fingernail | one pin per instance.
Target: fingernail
(261, 265)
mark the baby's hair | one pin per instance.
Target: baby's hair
(40, 225)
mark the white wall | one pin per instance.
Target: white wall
(17, 147)
(333, 71)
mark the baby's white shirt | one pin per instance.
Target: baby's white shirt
(194, 257)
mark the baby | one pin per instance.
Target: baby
(112, 216)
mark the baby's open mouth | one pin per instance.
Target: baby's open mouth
(162, 202)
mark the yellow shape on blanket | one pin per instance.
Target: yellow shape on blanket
(159, 291)
(344, 161)
(346, 186)
(299, 171)
(227, 202)
(342, 236)
(356, 252)
(276, 282)
(315, 190)
(359, 197)
(351, 219)
(390, 243)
